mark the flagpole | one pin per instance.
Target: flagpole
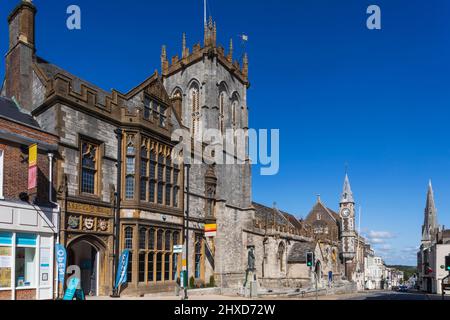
(204, 12)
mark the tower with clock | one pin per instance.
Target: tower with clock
(348, 234)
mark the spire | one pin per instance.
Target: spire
(430, 221)
(347, 195)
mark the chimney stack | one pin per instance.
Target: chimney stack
(19, 59)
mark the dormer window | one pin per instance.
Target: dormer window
(154, 109)
(148, 107)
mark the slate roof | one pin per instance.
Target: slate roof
(297, 254)
(264, 213)
(51, 70)
(9, 109)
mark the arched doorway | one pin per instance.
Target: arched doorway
(87, 254)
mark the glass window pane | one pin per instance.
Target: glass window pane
(168, 195)
(130, 268)
(167, 244)
(141, 267)
(5, 268)
(143, 189)
(151, 191)
(159, 263)
(160, 193)
(129, 192)
(151, 239)
(144, 168)
(130, 165)
(129, 238)
(167, 267)
(174, 266)
(25, 267)
(142, 240)
(159, 240)
(150, 267)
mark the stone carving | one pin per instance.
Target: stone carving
(88, 223)
(103, 225)
(87, 208)
(73, 222)
(251, 259)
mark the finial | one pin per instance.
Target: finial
(245, 65)
(318, 198)
(230, 51)
(185, 50)
(164, 62)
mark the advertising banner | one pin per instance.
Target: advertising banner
(61, 259)
(121, 277)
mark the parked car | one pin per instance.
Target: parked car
(402, 289)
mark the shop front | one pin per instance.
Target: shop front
(26, 252)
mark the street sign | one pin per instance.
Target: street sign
(178, 248)
(210, 230)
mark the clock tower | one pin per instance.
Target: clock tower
(348, 234)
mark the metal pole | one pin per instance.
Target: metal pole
(186, 236)
(119, 134)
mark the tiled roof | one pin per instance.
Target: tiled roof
(8, 109)
(297, 254)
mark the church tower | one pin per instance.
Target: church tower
(430, 224)
(348, 234)
(209, 91)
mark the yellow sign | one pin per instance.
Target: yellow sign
(210, 230)
(32, 155)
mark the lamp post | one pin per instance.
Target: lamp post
(119, 134)
(186, 228)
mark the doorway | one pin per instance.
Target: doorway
(87, 257)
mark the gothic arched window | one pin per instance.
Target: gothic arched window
(222, 112)
(89, 168)
(281, 250)
(195, 107)
(130, 169)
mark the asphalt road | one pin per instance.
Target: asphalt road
(398, 296)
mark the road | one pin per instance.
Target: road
(395, 296)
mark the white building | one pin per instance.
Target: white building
(433, 250)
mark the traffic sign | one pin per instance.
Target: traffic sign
(178, 248)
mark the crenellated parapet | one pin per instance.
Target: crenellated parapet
(209, 50)
(120, 108)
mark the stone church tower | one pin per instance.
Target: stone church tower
(209, 91)
(430, 225)
(348, 234)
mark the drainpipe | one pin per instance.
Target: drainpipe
(56, 217)
(119, 133)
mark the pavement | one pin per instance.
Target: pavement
(365, 295)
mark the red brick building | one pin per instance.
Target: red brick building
(26, 215)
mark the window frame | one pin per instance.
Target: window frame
(97, 171)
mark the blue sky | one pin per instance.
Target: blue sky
(378, 100)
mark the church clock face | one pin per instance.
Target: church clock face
(346, 213)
